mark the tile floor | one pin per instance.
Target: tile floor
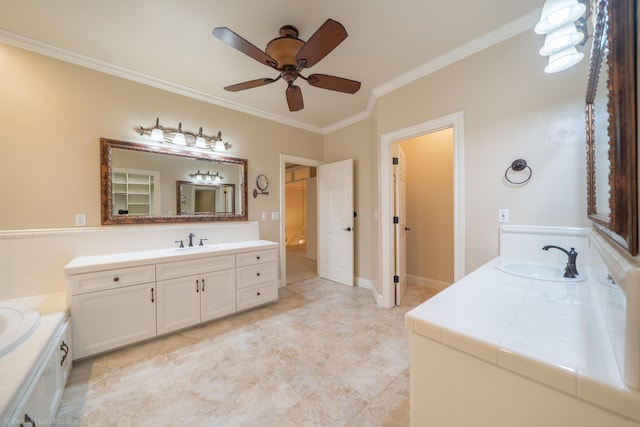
(323, 355)
(299, 267)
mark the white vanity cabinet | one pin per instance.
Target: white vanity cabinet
(112, 308)
(257, 278)
(186, 299)
(121, 299)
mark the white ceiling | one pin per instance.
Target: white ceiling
(168, 44)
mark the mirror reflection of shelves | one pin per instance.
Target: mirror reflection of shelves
(135, 192)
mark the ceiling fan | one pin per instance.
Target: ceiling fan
(289, 56)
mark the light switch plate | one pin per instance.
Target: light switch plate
(275, 216)
(264, 215)
(81, 220)
(503, 215)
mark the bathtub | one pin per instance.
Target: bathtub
(31, 330)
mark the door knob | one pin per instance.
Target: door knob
(407, 229)
(347, 228)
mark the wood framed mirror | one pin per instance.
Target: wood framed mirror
(139, 184)
(612, 192)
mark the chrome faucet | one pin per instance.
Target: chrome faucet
(191, 236)
(570, 269)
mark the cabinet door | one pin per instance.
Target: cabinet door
(178, 303)
(218, 294)
(112, 318)
(38, 406)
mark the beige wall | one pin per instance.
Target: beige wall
(512, 109)
(54, 113)
(58, 111)
(430, 207)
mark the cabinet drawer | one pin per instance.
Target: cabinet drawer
(172, 270)
(256, 274)
(110, 279)
(257, 295)
(256, 257)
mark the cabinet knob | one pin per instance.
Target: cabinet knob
(258, 294)
(116, 279)
(258, 257)
(257, 274)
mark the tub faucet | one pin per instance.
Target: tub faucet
(191, 236)
(570, 269)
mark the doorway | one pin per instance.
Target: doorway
(301, 222)
(297, 258)
(423, 198)
(386, 298)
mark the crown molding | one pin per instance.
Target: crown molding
(125, 73)
(483, 42)
(494, 37)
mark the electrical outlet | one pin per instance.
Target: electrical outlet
(81, 220)
(275, 216)
(503, 215)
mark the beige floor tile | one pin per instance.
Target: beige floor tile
(323, 355)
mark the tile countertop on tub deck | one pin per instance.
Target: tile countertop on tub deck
(133, 259)
(550, 332)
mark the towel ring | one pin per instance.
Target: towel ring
(518, 165)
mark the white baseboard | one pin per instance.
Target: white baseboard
(368, 284)
(429, 283)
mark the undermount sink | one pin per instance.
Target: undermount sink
(16, 324)
(195, 248)
(537, 271)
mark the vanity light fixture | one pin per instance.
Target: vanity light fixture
(206, 176)
(565, 27)
(184, 137)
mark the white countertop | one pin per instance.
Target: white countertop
(551, 332)
(93, 263)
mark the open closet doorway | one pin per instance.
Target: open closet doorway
(388, 262)
(299, 237)
(423, 177)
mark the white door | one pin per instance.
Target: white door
(335, 222)
(400, 178)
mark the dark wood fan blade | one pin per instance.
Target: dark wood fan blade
(237, 42)
(294, 98)
(333, 83)
(324, 40)
(249, 85)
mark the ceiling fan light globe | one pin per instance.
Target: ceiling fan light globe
(284, 50)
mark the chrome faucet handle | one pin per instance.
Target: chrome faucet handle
(181, 243)
(201, 244)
